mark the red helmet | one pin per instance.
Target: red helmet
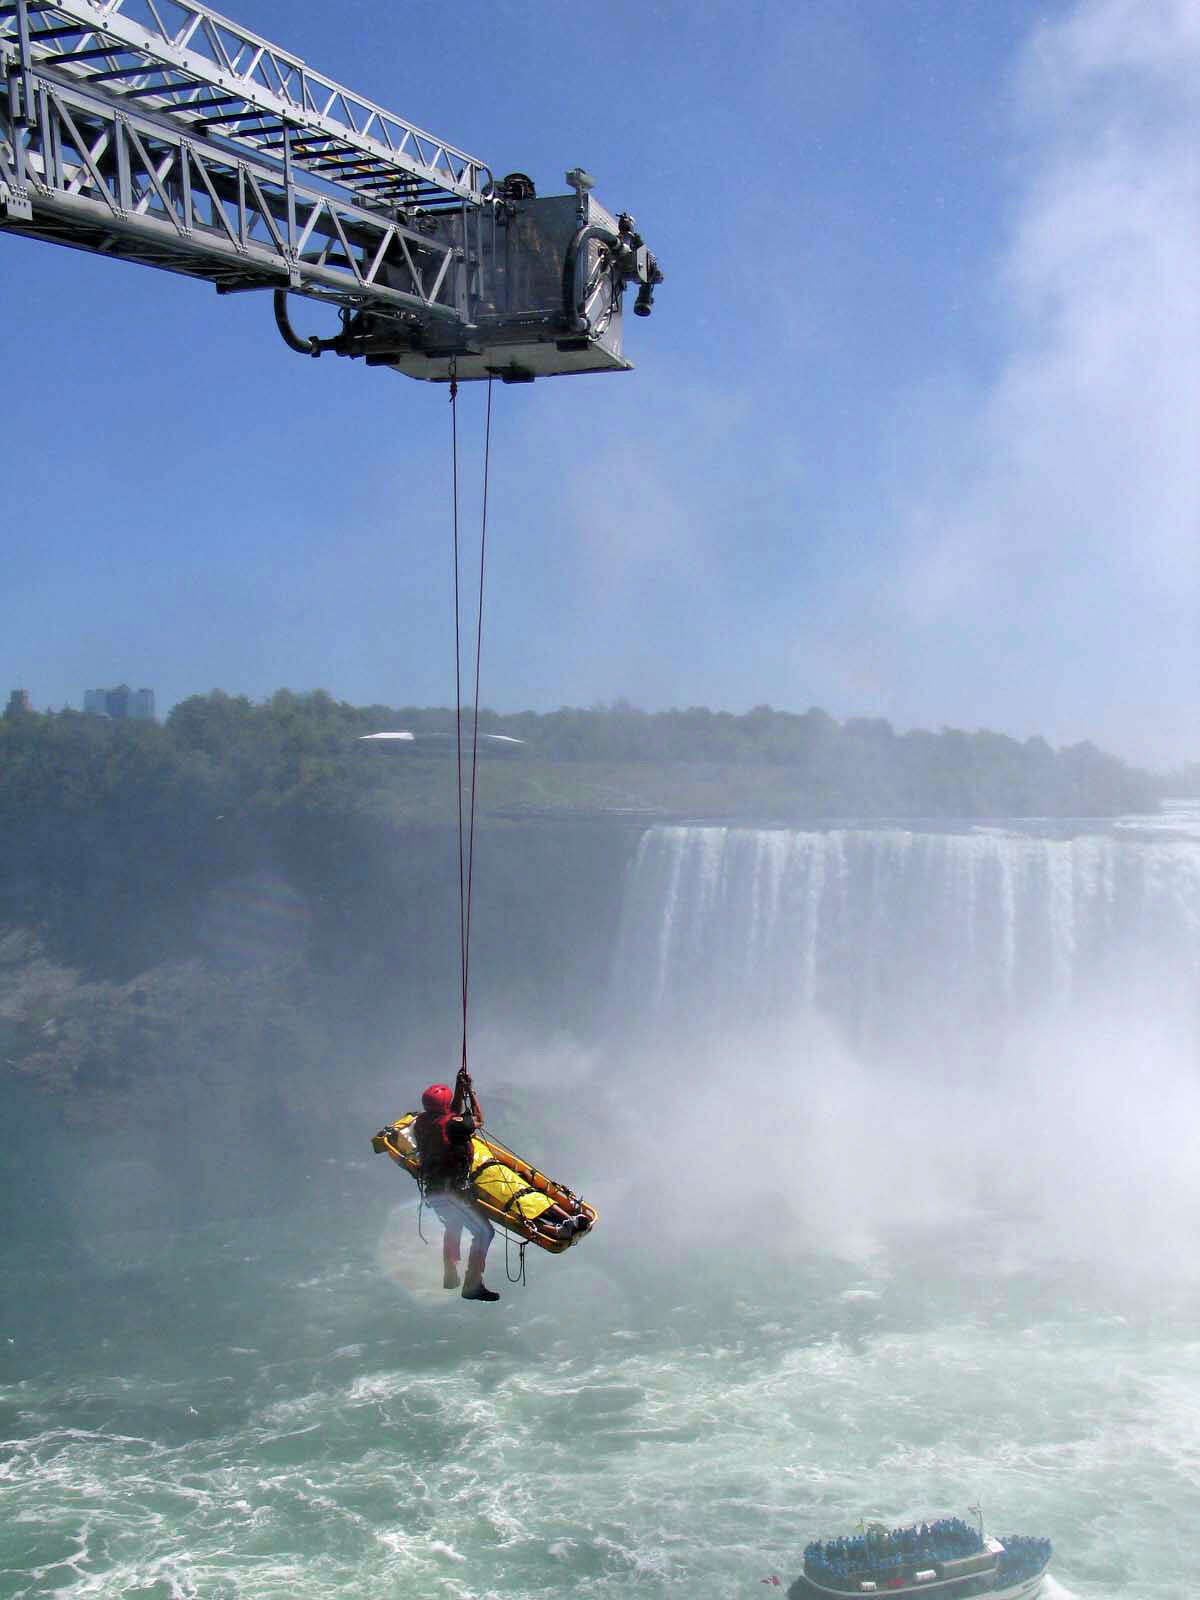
(437, 1098)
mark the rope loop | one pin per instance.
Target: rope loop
(519, 1276)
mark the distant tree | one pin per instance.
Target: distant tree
(214, 724)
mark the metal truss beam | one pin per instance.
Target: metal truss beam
(203, 71)
(160, 132)
(123, 173)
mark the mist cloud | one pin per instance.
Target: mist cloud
(1056, 537)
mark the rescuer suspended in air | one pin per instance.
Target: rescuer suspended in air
(442, 1132)
(472, 1181)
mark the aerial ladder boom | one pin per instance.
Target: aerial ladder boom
(160, 132)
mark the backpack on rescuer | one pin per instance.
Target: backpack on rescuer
(445, 1164)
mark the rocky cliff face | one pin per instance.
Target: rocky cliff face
(278, 1012)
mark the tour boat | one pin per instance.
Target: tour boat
(946, 1560)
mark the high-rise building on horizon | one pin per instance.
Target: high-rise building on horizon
(120, 703)
(18, 702)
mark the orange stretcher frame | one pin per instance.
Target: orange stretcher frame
(391, 1141)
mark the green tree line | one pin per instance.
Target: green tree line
(113, 832)
(300, 754)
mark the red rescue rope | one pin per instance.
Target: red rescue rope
(466, 850)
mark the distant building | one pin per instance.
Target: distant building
(18, 702)
(120, 703)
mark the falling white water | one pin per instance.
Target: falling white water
(947, 1025)
(898, 937)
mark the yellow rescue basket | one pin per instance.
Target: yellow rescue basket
(510, 1193)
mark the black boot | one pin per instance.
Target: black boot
(480, 1292)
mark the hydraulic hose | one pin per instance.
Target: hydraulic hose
(303, 347)
(576, 321)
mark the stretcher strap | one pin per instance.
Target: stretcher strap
(518, 1194)
(553, 1190)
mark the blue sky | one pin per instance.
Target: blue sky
(913, 430)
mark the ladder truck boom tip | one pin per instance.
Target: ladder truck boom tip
(173, 137)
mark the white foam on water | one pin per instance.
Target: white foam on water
(666, 1466)
(1053, 1590)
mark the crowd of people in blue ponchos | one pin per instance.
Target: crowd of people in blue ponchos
(881, 1552)
(948, 1539)
(1023, 1556)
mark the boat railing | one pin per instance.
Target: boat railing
(885, 1553)
(1024, 1556)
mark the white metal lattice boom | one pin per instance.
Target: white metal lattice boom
(160, 132)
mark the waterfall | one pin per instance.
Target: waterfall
(902, 938)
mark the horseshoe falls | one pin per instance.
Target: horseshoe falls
(893, 1138)
(991, 1023)
(895, 935)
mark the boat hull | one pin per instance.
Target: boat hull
(980, 1583)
